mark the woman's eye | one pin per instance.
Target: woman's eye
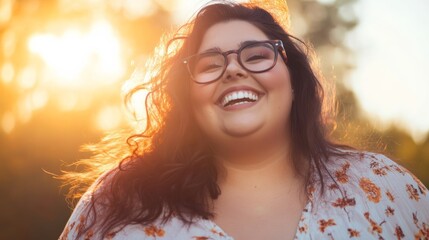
(256, 57)
(208, 67)
(208, 63)
(211, 67)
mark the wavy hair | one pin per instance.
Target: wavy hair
(168, 169)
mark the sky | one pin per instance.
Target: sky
(391, 78)
(391, 43)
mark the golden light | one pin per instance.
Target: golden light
(6, 10)
(7, 72)
(109, 118)
(77, 58)
(135, 105)
(27, 77)
(68, 101)
(9, 41)
(25, 109)
(8, 122)
(39, 98)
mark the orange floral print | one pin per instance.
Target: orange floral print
(333, 186)
(303, 229)
(80, 227)
(372, 191)
(412, 192)
(353, 233)
(344, 202)
(390, 211)
(323, 224)
(65, 233)
(374, 164)
(399, 233)
(310, 191)
(153, 231)
(213, 230)
(200, 238)
(423, 233)
(111, 235)
(415, 219)
(374, 203)
(399, 169)
(423, 190)
(390, 196)
(375, 228)
(341, 175)
(89, 235)
(380, 171)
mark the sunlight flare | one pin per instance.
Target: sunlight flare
(78, 58)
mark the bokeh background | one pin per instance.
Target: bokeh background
(63, 64)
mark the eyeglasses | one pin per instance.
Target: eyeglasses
(255, 57)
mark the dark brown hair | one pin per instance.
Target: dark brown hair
(170, 170)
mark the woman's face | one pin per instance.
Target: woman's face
(264, 114)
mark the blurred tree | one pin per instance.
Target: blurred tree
(325, 24)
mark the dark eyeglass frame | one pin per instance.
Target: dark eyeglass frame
(277, 47)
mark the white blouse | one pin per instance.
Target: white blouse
(378, 200)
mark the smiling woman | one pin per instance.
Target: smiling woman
(236, 146)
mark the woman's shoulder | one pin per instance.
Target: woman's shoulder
(371, 196)
(83, 212)
(172, 229)
(79, 227)
(362, 167)
(376, 171)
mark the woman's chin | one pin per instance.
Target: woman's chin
(241, 129)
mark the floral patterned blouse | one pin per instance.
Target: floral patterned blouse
(379, 200)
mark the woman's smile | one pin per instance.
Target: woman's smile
(239, 97)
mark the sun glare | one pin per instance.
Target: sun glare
(8, 122)
(108, 118)
(74, 56)
(65, 69)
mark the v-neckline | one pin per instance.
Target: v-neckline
(216, 229)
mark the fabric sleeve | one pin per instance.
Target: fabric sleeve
(398, 201)
(78, 219)
(407, 194)
(375, 198)
(83, 213)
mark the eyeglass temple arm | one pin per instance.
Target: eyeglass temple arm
(282, 50)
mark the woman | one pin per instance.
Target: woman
(236, 147)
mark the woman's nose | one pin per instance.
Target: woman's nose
(233, 69)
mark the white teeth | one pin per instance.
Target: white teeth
(245, 95)
(240, 95)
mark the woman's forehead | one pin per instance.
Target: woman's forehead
(230, 35)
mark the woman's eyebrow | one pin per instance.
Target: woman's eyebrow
(241, 44)
(244, 43)
(213, 49)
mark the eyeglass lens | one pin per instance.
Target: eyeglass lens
(256, 57)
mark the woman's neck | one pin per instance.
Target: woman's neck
(255, 168)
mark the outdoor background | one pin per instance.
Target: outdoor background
(63, 64)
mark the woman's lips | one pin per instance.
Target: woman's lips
(241, 105)
(238, 95)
